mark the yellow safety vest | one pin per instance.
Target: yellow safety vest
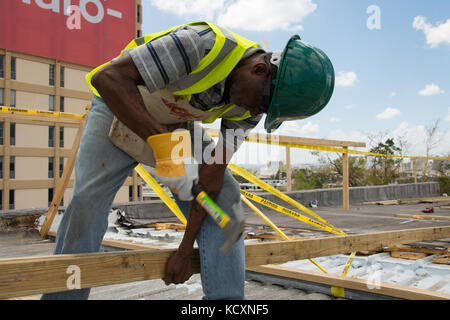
(211, 69)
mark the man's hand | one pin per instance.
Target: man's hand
(178, 269)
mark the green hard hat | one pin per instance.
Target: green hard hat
(303, 86)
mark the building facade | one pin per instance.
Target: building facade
(33, 155)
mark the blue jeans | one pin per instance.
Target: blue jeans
(100, 170)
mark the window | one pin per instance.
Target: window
(138, 33)
(138, 13)
(11, 199)
(130, 193)
(13, 68)
(51, 75)
(1, 133)
(51, 135)
(12, 134)
(61, 166)
(1, 199)
(61, 84)
(12, 169)
(2, 66)
(12, 102)
(1, 171)
(61, 137)
(2, 97)
(50, 167)
(61, 104)
(51, 103)
(50, 196)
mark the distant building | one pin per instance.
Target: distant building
(270, 169)
(43, 64)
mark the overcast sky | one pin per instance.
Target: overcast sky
(392, 62)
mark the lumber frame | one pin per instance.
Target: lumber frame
(34, 275)
(385, 289)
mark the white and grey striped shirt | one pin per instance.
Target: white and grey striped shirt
(170, 58)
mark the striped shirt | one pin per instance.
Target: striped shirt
(171, 58)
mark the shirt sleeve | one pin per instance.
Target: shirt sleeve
(169, 58)
(234, 133)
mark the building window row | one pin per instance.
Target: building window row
(2, 66)
(13, 68)
(13, 76)
(51, 137)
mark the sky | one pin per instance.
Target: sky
(391, 59)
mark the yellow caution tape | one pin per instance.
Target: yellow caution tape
(330, 149)
(160, 192)
(264, 217)
(339, 291)
(247, 175)
(289, 212)
(274, 227)
(42, 112)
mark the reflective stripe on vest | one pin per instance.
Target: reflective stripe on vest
(226, 53)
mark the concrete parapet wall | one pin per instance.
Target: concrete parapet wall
(325, 197)
(358, 195)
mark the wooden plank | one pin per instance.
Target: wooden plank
(34, 275)
(381, 288)
(408, 255)
(59, 193)
(121, 244)
(284, 140)
(35, 184)
(41, 120)
(421, 217)
(383, 202)
(345, 182)
(404, 248)
(288, 170)
(424, 200)
(442, 260)
(270, 236)
(279, 252)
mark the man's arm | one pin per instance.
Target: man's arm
(211, 178)
(117, 84)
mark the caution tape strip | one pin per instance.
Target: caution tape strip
(288, 212)
(335, 291)
(247, 175)
(331, 149)
(274, 227)
(160, 192)
(42, 112)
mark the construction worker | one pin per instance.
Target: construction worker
(149, 99)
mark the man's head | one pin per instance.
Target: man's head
(290, 85)
(246, 84)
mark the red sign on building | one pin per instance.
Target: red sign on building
(87, 32)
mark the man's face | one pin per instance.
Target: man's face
(247, 86)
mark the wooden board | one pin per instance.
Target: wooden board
(404, 248)
(424, 200)
(270, 236)
(408, 255)
(442, 260)
(34, 275)
(381, 288)
(422, 217)
(384, 203)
